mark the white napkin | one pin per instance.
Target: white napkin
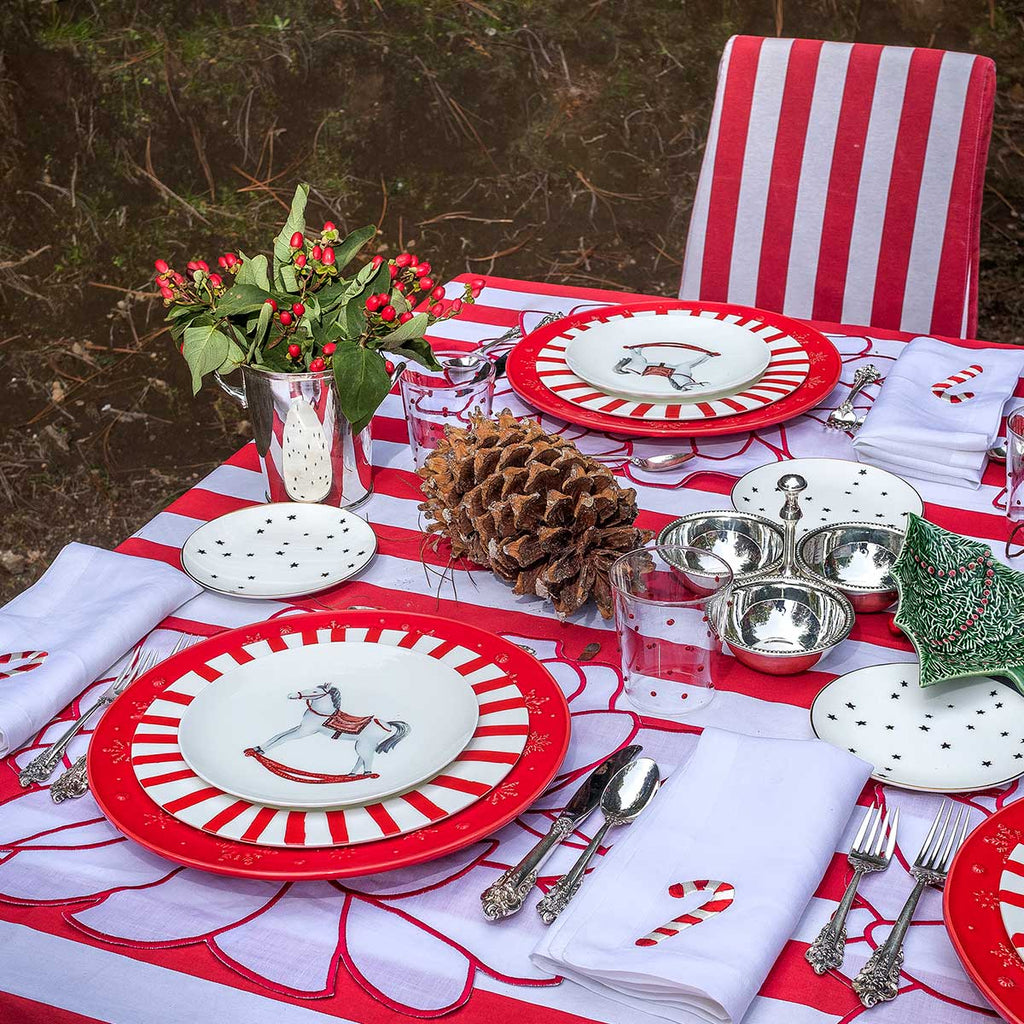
(912, 432)
(762, 816)
(84, 613)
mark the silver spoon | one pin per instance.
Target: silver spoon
(660, 463)
(628, 792)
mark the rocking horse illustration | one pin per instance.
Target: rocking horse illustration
(679, 374)
(323, 715)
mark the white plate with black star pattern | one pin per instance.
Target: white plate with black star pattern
(955, 737)
(837, 492)
(280, 550)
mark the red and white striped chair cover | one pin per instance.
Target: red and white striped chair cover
(843, 182)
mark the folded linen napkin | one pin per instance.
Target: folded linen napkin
(923, 424)
(84, 613)
(686, 914)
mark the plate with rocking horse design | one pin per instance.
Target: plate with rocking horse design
(334, 722)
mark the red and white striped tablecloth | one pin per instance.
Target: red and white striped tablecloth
(94, 928)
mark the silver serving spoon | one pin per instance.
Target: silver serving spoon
(628, 792)
(661, 463)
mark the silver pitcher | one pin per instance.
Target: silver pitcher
(307, 448)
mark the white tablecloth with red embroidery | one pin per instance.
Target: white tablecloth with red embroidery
(92, 927)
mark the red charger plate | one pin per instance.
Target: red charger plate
(822, 376)
(970, 908)
(126, 804)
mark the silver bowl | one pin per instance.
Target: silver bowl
(782, 625)
(855, 558)
(747, 543)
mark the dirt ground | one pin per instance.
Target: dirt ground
(544, 139)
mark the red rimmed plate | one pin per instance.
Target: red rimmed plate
(124, 801)
(977, 894)
(500, 725)
(606, 388)
(823, 374)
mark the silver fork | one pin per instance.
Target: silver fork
(845, 417)
(867, 854)
(879, 978)
(44, 764)
(74, 782)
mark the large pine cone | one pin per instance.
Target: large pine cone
(532, 508)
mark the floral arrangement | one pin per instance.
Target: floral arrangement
(296, 312)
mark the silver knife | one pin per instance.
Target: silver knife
(507, 895)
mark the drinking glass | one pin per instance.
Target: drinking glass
(434, 399)
(669, 603)
(1014, 476)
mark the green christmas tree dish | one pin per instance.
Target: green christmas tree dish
(962, 610)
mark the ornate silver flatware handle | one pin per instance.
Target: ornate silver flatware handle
(72, 784)
(44, 764)
(879, 978)
(508, 894)
(861, 379)
(562, 892)
(826, 952)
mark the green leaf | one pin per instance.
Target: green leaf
(414, 328)
(206, 350)
(188, 310)
(254, 271)
(198, 318)
(418, 350)
(242, 298)
(345, 250)
(400, 302)
(284, 272)
(353, 319)
(362, 382)
(233, 359)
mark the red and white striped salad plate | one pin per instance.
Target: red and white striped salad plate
(501, 726)
(787, 368)
(816, 363)
(478, 796)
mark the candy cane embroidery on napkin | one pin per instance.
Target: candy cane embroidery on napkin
(941, 390)
(722, 894)
(20, 661)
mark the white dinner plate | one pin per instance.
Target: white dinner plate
(667, 358)
(954, 737)
(279, 550)
(837, 492)
(328, 724)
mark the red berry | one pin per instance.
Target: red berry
(191, 265)
(329, 225)
(317, 364)
(298, 309)
(373, 303)
(300, 259)
(166, 292)
(329, 348)
(203, 266)
(401, 286)
(377, 261)
(436, 309)
(457, 306)
(178, 279)
(388, 313)
(477, 283)
(231, 259)
(216, 280)
(294, 351)
(317, 252)
(222, 262)
(329, 256)
(403, 259)
(389, 366)
(405, 317)
(271, 303)
(437, 293)
(394, 271)
(423, 268)
(426, 283)
(161, 266)
(286, 318)
(413, 259)
(296, 241)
